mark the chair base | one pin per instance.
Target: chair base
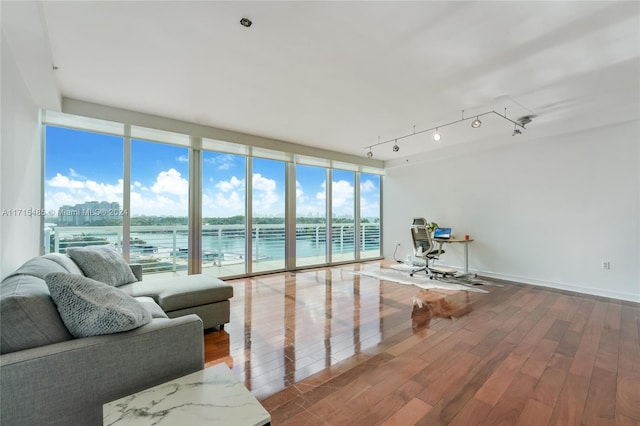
(435, 271)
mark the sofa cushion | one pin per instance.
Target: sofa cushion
(41, 266)
(182, 292)
(28, 316)
(151, 306)
(90, 308)
(65, 261)
(102, 263)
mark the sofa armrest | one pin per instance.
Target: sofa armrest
(68, 382)
(136, 268)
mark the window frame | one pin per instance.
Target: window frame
(197, 145)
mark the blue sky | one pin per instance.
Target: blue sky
(83, 166)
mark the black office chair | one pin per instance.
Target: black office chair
(424, 248)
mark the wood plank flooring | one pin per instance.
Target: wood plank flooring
(328, 347)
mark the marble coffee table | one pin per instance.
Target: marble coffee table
(213, 396)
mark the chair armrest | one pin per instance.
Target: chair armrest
(68, 382)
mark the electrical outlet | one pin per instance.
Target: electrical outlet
(606, 264)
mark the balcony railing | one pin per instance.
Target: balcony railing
(165, 248)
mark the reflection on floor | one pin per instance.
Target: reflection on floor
(428, 304)
(287, 327)
(330, 347)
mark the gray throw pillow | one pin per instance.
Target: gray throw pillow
(91, 308)
(102, 263)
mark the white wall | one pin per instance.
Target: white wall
(21, 168)
(28, 84)
(545, 212)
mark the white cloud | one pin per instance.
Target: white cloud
(322, 195)
(221, 162)
(369, 208)
(265, 198)
(267, 203)
(170, 193)
(169, 196)
(300, 197)
(55, 200)
(342, 198)
(157, 204)
(262, 183)
(74, 174)
(105, 191)
(229, 185)
(171, 182)
(60, 181)
(367, 186)
(182, 159)
(61, 190)
(223, 205)
(307, 206)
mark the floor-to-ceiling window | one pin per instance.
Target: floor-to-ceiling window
(224, 235)
(370, 236)
(83, 189)
(311, 215)
(159, 194)
(182, 204)
(268, 215)
(342, 215)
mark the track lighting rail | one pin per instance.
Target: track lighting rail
(475, 124)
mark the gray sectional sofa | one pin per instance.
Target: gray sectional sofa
(50, 377)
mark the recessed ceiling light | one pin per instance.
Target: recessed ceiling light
(246, 22)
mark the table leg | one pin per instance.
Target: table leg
(466, 258)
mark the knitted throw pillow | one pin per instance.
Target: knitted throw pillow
(91, 308)
(102, 263)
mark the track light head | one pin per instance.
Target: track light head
(516, 132)
(476, 123)
(436, 136)
(396, 148)
(525, 120)
(369, 154)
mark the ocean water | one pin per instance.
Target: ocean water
(268, 242)
(234, 247)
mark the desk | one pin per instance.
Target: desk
(441, 242)
(213, 396)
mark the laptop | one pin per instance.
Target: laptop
(442, 233)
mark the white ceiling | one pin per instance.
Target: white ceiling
(338, 75)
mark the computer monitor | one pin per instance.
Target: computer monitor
(442, 233)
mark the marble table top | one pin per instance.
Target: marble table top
(213, 396)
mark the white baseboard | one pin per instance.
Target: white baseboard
(559, 286)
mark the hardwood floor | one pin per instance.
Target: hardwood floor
(328, 347)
